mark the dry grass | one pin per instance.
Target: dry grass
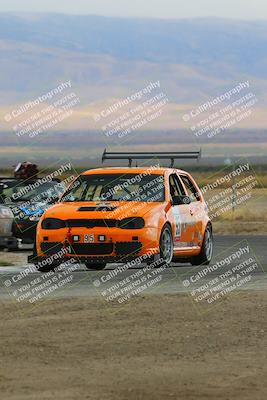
(249, 217)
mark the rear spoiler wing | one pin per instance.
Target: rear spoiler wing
(162, 155)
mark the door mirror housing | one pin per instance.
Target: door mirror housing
(180, 200)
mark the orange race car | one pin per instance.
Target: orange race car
(127, 213)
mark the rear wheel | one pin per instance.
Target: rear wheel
(166, 245)
(97, 267)
(205, 254)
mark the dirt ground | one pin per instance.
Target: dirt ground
(156, 347)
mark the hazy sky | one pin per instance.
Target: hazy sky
(243, 9)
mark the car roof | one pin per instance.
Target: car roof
(131, 170)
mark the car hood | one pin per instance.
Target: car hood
(94, 210)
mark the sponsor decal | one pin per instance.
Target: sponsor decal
(177, 220)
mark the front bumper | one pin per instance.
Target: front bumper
(118, 244)
(105, 252)
(32, 259)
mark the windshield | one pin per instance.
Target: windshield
(35, 191)
(116, 187)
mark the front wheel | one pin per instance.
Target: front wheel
(97, 267)
(205, 255)
(47, 268)
(166, 245)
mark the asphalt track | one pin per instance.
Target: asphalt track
(113, 285)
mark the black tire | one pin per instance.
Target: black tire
(205, 255)
(97, 267)
(166, 245)
(47, 268)
(34, 250)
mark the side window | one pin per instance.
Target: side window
(190, 187)
(176, 189)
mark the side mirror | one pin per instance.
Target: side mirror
(180, 200)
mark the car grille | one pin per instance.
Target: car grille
(124, 248)
(92, 248)
(51, 248)
(91, 223)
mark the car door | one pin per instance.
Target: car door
(183, 221)
(195, 207)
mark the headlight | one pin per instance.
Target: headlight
(53, 223)
(132, 223)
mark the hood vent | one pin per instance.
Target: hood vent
(98, 208)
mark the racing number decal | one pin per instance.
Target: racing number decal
(177, 220)
(89, 238)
